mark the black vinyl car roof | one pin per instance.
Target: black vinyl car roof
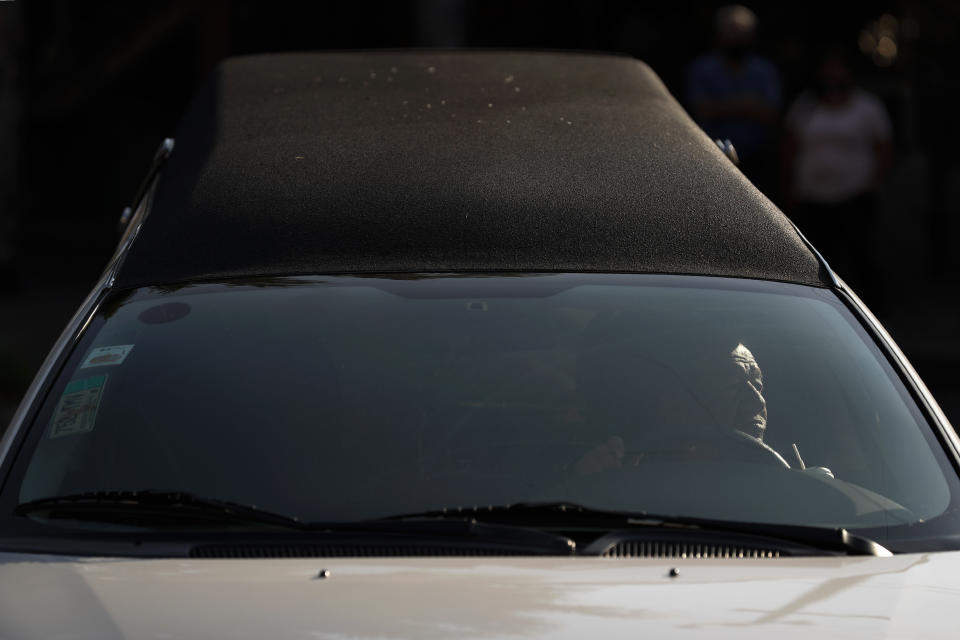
(452, 161)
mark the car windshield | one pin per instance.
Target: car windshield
(350, 398)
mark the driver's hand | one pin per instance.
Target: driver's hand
(608, 455)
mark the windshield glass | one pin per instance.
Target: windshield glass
(345, 398)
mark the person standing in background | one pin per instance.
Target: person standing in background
(735, 94)
(837, 150)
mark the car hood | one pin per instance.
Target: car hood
(911, 595)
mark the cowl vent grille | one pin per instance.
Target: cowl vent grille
(341, 551)
(682, 550)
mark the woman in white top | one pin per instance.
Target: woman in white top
(837, 150)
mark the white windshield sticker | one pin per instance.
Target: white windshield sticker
(104, 356)
(77, 410)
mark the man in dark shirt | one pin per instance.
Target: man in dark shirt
(734, 94)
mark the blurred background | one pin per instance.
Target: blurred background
(89, 89)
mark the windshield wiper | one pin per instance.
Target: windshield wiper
(153, 508)
(569, 516)
(526, 524)
(165, 510)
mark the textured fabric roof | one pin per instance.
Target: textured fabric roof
(462, 161)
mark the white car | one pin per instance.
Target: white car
(469, 344)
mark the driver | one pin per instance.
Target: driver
(724, 393)
(732, 392)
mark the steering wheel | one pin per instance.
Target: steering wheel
(723, 446)
(755, 449)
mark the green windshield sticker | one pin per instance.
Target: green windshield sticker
(77, 410)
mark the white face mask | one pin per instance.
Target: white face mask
(733, 393)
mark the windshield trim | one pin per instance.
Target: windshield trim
(75, 329)
(930, 409)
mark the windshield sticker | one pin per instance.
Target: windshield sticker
(104, 356)
(77, 410)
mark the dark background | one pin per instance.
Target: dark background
(89, 89)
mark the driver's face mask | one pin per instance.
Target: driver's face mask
(732, 393)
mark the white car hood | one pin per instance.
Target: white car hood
(906, 596)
